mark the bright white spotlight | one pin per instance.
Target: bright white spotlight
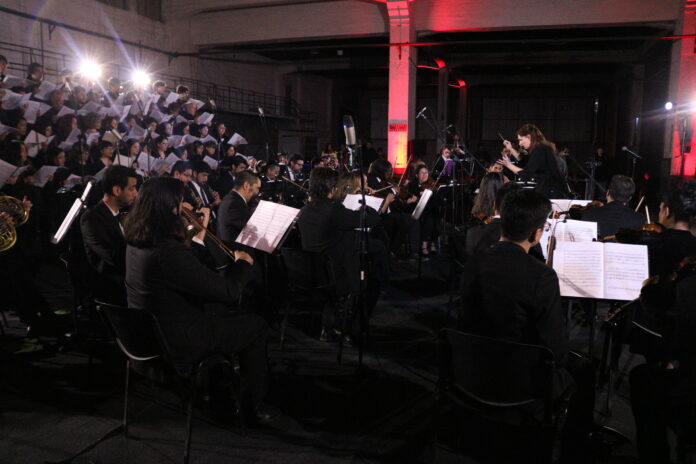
(668, 106)
(140, 78)
(90, 69)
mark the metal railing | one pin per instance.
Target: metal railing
(226, 98)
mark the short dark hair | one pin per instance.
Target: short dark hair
(181, 88)
(105, 144)
(621, 188)
(321, 182)
(114, 81)
(681, 202)
(210, 144)
(200, 166)
(33, 67)
(522, 213)
(503, 191)
(296, 159)
(237, 160)
(2, 58)
(245, 177)
(153, 218)
(116, 176)
(180, 166)
(158, 84)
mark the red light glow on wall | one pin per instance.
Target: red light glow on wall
(686, 166)
(440, 63)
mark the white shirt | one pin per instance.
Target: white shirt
(116, 213)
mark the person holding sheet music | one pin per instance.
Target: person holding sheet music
(543, 165)
(616, 214)
(105, 159)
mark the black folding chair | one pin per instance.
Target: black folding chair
(311, 281)
(138, 335)
(501, 385)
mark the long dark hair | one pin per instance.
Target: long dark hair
(490, 184)
(537, 137)
(154, 218)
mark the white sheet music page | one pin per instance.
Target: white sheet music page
(267, 226)
(576, 231)
(579, 266)
(625, 269)
(422, 202)
(353, 202)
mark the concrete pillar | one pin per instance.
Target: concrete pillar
(682, 93)
(442, 90)
(402, 83)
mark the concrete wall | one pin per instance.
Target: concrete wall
(173, 35)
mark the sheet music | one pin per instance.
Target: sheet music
(580, 269)
(267, 226)
(353, 202)
(33, 142)
(212, 162)
(237, 139)
(31, 112)
(146, 161)
(625, 270)
(422, 202)
(560, 205)
(123, 160)
(43, 175)
(205, 118)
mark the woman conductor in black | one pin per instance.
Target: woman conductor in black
(543, 165)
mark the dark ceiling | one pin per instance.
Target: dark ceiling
(527, 50)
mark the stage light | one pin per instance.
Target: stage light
(669, 106)
(90, 69)
(140, 78)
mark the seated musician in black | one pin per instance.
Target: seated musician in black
(616, 214)
(271, 184)
(397, 223)
(430, 217)
(677, 216)
(235, 209)
(482, 236)
(102, 234)
(662, 391)
(510, 295)
(326, 226)
(164, 277)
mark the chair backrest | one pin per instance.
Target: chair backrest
(495, 372)
(133, 329)
(308, 269)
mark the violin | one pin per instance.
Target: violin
(635, 236)
(576, 211)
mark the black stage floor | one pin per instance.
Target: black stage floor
(52, 404)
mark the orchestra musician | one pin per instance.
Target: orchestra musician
(326, 226)
(103, 234)
(164, 277)
(430, 217)
(444, 166)
(508, 294)
(271, 184)
(543, 165)
(616, 214)
(235, 209)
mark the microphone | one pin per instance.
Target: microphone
(631, 152)
(420, 114)
(117, 135)
(349, 130)
(260, 111)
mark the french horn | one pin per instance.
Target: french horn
(14, 209)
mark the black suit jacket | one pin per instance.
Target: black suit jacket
(612, 217)
(233, 214)
(543, 169)
(173, 284)
(510, 295)
(329, 227)
(105, 247)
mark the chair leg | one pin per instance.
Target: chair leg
(189, 417)
(125, 399)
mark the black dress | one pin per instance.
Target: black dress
(542, 168)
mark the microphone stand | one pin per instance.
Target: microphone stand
(362, 252)
(264, 124)
(589, 176)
